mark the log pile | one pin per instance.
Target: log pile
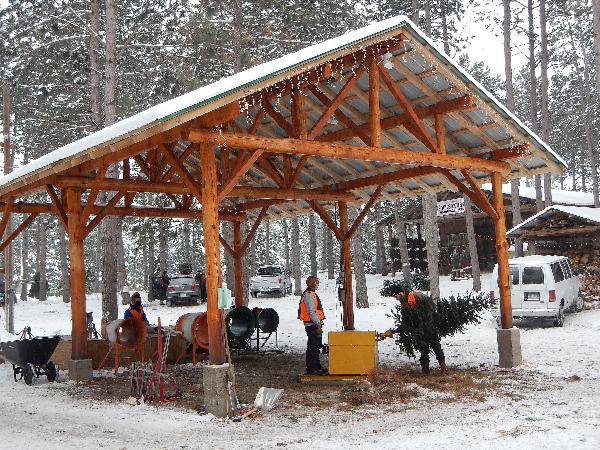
(586, 263)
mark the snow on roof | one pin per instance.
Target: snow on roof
(586, 213)
(535, 259)
(574, 198)
(206, 94)
(247, 81)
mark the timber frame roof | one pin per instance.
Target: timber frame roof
(299, 130)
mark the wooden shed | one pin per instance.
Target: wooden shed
(572, 231)
(379, 112)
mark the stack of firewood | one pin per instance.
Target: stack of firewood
(585, 262)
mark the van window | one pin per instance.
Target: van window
(557, 271)
(514, 275)
(533, 275)
(566, 268)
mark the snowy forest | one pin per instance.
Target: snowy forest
(72, 67)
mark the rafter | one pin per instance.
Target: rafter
(277, 117)
(134, 211)
(91, 200)
(17, 231)
(252, 231)
(324, 215)
(241, 166)
(334, 104)
(336, 150)
(364, 212)
(103, 213)
(58, 206)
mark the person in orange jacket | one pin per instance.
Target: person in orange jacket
(310, 312)
(136, 310)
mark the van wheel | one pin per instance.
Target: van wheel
(499, 321)
(579, 304)
(559, 320)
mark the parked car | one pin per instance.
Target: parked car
(182, 289)
(271, 280)
(541, 286)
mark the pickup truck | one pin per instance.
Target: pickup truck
(271, 280)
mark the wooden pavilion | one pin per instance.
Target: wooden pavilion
(377, 113)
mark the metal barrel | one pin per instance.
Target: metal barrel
(126, 332)
(240, 323)
(194, 327)
(267, 319)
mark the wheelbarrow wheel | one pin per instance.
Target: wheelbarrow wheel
(28, 374)
(51, 372)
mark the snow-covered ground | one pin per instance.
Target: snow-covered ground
(557, 410)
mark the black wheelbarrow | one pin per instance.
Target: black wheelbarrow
(30, 357)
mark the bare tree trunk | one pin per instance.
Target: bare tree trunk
(539, 199)
(510, 102)
(428, 17)
(474, 254)
(42, 245)
(330, 258)
(252, 257)
(432, 242)
(95, 67)
(361, 296)
(97, 258)
(110, 227)
(185, 245)
(445, 36)
(286, 245)
(108, 243)
(151, 261)
(64, 265)
(163, 250)
(402, 244)
(25, 275)
(228, 236)
(296, 257)
(145, 262)
(246, 274)
(380, 262)
(122, 267)
(323, 246)
(267, 242)
(414, 11)
(545, 96)
(312, 236)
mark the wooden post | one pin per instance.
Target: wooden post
(77, 272)
(238, 284)
(374, 107)
(502, 252)
(209, 190)
(347, 265)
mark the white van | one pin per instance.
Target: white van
(541, 286)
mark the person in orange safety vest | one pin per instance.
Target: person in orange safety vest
(135, 310)
(310, 312)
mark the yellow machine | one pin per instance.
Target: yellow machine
(352, 352)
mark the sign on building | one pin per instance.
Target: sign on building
(451, 207)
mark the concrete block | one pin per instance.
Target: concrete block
(80, 369)
(509, 347)
(217, 396)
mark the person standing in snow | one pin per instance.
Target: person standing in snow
(164, 284)
(310, 312)
(136, 310)
(418, 324)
